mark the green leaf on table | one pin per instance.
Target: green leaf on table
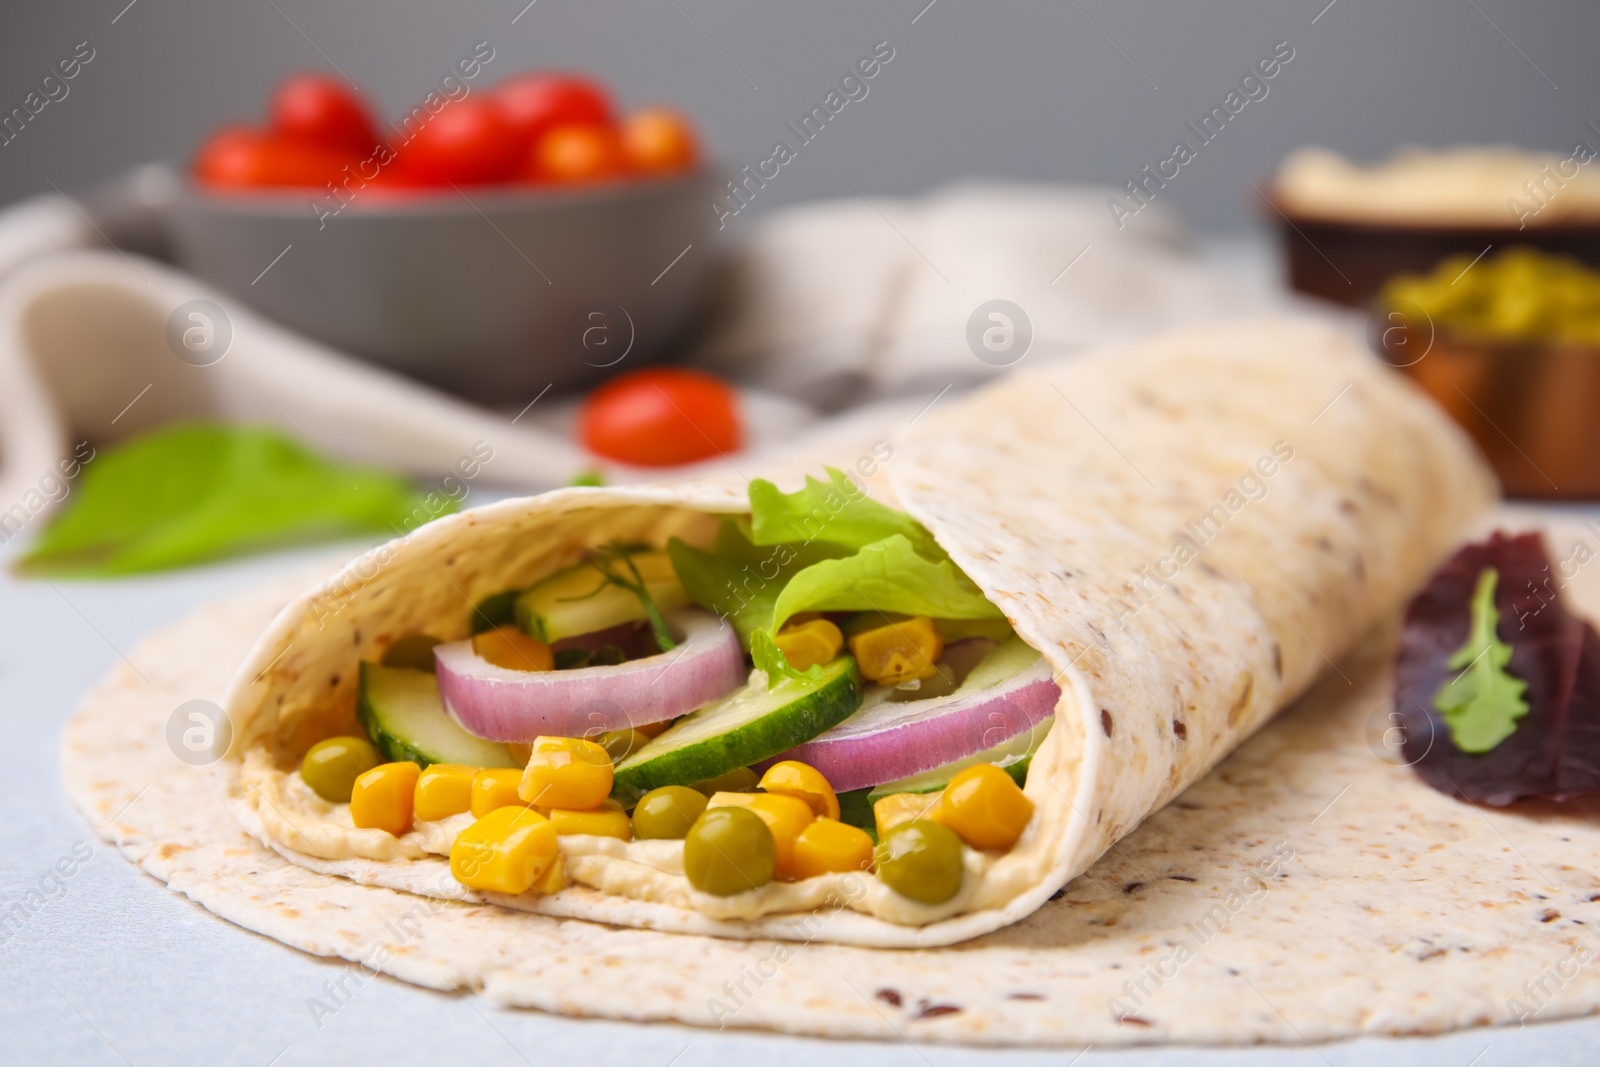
(1482, 704)
(199, 491)
(889, 576)
(836, 512)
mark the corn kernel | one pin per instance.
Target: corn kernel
(896, 808)
(791, 778)
(381, 798)
(607, 820)
(809, 643)
(506, 851)
(495, 787)
(828, 845)
(985, 808)
(566, 772)
(509, 647)
(443, 790)
(785, 816)
(554, 879)
(900, 651)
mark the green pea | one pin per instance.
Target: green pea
(332, 766)
(729, 851)
(668, 812)
(620, 743)
(739, 780)
(921, 859)
(414, 651)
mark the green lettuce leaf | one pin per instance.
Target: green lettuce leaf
(1482, 704)
(890, 576)
(835, 512)
(738, 580)
(198, 491)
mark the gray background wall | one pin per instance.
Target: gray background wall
(1085, 91)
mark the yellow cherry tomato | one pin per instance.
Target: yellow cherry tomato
(791, 778)
(785, 816)
(607, 820)
(506, 851)
(381, 798)
(809, 643)
(566, 772)
(828, 845)
(902, 650)
(985, 808)
(495, 787)
(508, 647)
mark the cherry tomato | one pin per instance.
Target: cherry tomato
(322, 110)
(661, 417)
(575, 154)
(658, 141)
(534, 104)
(237, 157)
(467, 143)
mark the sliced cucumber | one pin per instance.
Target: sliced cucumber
(749, 725)
(579, 600)
(402, 713)
(1013, 755)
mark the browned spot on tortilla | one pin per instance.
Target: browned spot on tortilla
(1431, 953)
(1132, 887)
(935, 1010)
(1105, 721)
(1549, 915)
(170, 849)
(1209, 569)
(1180, 728)
(889, 996)
(1180, 877)
(1024, 996)
(1358, 567)
(1134, 1020)
(1277, 659)
(1325, 544)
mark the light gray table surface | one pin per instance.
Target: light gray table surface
(115, 968)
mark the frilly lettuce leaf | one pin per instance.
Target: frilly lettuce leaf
(1482, 704)
(836, 512)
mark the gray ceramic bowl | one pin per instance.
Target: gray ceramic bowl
(492, 292)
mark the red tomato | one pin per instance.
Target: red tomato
(322, 110)
(658, 141)
(238, 157)
(467, 143)
(534, 104)
(576, 154)
(661, 417)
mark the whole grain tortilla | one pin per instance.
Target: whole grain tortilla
(1189, 530)
(1393, 909)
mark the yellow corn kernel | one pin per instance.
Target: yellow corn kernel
(809, 643)
(785, 816)
(901, 651)
(985, 808)
(509, 647)
(506, 851)
(829, 845)
(896, 808)
(381, 798)
(495, 787)
(791, 778)
(554, 879)
(566, 772)
(443, 790)
(607, 820)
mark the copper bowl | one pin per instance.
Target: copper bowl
(1348, 261)
(1533, 407)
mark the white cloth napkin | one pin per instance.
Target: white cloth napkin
(831, 306)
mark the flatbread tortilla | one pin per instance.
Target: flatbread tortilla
(1392, 909)
(1190, 530)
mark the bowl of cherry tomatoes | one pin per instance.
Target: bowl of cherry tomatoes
(493, 243)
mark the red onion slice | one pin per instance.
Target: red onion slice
(885, 741)
(506, 705)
